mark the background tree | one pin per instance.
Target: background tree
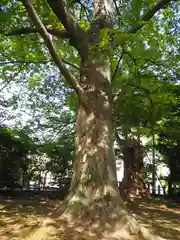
(139, 108)
(168, 141)
(13, 158)
(61, 157)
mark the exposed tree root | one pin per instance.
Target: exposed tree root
(99, 220)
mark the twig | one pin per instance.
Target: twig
(36, 62)
(118, 13)
(147, 16)
(10, 80)
(117, 66)
(24, 31)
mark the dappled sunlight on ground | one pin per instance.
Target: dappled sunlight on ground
(19, 219)
(164, 221)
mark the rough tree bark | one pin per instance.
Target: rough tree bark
(94, 204)
(133, 185)
(94, 197)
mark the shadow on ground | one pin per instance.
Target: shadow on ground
(19, 219)
(165, 221)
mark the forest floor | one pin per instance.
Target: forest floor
(19, 219)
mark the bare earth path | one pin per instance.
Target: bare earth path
(20, 219)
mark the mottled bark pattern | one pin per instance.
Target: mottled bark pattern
(95, 172)
(94, 194)
(133, 185)
(103, 13)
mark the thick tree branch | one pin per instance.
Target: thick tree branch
(77, 34)
(58, 61)
(147, 16)
(53, 31)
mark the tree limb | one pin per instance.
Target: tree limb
(57, 59)
(25, 62)
(77, 34)
(117, 66)
(53, 31)
(118, 13)
(147, 16)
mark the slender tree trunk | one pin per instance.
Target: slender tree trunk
(153, 167)
(39, 181)
(44, 181)
(170, 189)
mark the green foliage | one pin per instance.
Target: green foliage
(169, 135)
(61, 153)
(12, 159)
(147, 72)
(73, 101)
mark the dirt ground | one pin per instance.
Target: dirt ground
(19, 219)
(163, 220)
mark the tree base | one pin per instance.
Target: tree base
(134, 191)
(98, 220)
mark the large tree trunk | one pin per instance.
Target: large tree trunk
(94, 177)
(94, 203)
(94, 194)
(94, 187)
(93, 208)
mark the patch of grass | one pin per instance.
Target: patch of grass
(159, 200)
(170, 203)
